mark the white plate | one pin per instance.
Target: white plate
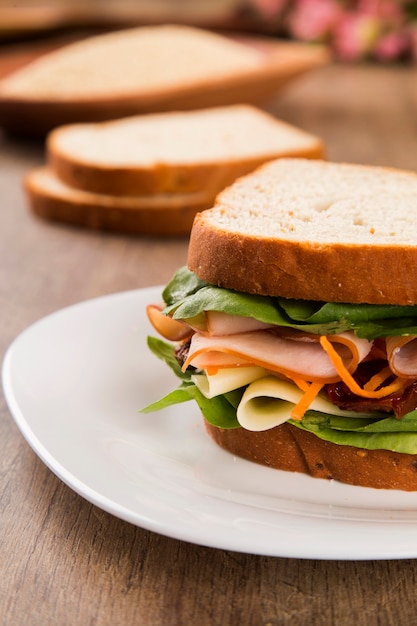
(74, 382)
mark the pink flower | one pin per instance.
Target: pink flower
(388, 10)
(313, 20)
(269, 8)
(354, 29)
(355, 36)
(391, 46)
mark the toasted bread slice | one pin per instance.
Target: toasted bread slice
(177, 152)
(163, 214)
(313, 230)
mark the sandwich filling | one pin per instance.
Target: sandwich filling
(345, 372)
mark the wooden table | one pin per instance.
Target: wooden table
(65, 561)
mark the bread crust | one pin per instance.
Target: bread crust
(177, 152)
(114, 214)
(312, 230)
(330, 273)
(291, 449)
(160, 177)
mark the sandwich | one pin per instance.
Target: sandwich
(294, 324)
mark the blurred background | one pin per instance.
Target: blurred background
(383, 31)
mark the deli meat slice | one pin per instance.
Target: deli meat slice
(402, 355)
(294, 357)
(225, 324)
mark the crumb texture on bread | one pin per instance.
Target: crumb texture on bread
(314, 230)
(174, 152)
(288, 448)
(207, 135)
(147, 56)
(148, 69)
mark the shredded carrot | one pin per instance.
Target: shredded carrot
(347, 378)
(378, 379)
(302, 383)
(303, 405)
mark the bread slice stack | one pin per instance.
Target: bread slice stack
(151, 174)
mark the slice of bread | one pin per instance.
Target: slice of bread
(163, 214)
(177, 152)
(147, 69)
(291, 449)
(138, 58)
(313, 230)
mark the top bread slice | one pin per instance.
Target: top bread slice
(176, 152)
(313, 230)
(145, 69)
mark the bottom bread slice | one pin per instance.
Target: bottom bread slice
(291, 449)
(161, 214)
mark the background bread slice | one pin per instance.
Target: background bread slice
(150, 68)
(161, 214)
(135, 59)
(288, 448)
(313, 230)
(177, 152)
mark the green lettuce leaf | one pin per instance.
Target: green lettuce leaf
(184, 283)
(219, 411)
(187, 297)
(387, 434)
(166, 352)
(315, 420)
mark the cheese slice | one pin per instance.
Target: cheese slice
(225, 380)
(268, 402)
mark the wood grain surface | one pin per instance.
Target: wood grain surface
(64, 561)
